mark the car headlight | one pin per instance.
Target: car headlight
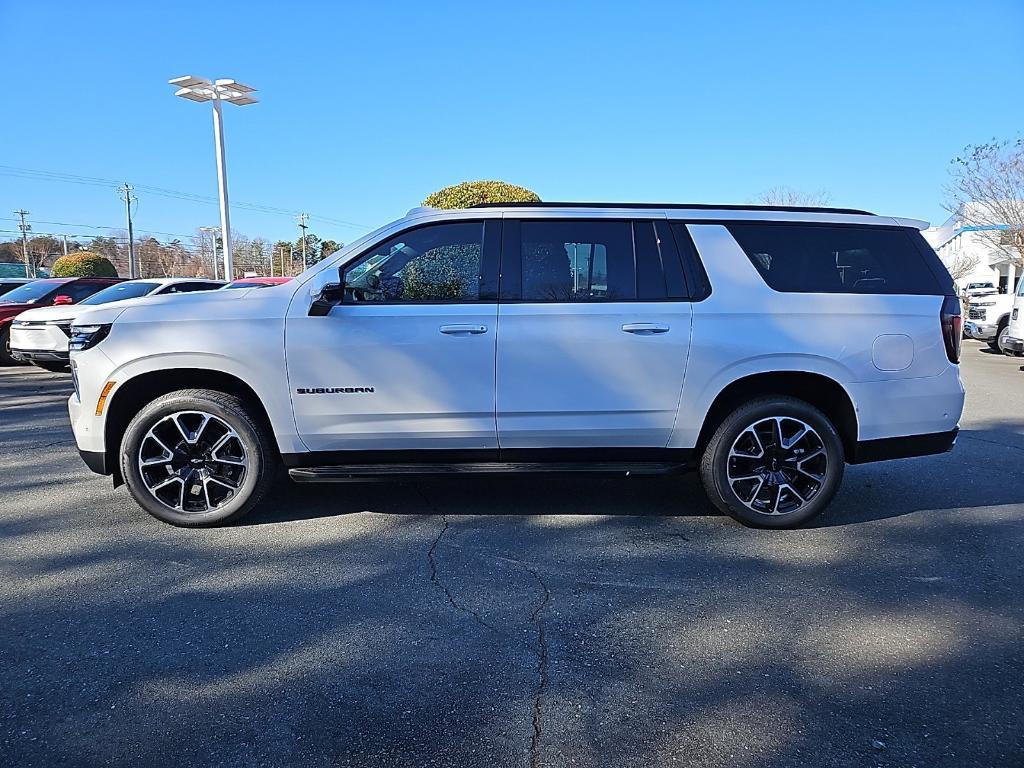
(984, 303)
(87, 336)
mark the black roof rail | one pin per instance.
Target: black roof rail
(681, 206)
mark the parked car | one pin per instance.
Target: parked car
(40, 336)
(988, 317)
(766, 347)
(257, 282)
(10, 283)
(974, 289)
(43, 293)
(1011, 340)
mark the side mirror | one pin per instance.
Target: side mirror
(329, 296)
(62, 299)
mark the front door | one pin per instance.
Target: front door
(594, 333)
(406, 361)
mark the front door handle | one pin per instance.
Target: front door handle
(645, 329)
(460, 329)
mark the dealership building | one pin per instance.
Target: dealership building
(975, 251)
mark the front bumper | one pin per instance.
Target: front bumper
(40, 355)
(980, 331)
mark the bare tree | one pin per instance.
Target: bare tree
(963, 264)
(986, 190)
(780, 195)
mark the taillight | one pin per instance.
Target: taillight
(952, 327)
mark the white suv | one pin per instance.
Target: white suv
(765, 346)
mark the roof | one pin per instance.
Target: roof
(680, 206)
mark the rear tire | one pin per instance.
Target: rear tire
(775, 462)
(198, 458)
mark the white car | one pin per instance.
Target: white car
(40, 336)
(988, 318)
(765, 346)
(1011, 341)
(975, 289)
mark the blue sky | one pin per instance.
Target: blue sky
(368, 107)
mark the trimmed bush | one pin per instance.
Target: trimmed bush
(470, 193)
(83, 264)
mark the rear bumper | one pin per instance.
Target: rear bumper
(903, 447)
(1014, 344)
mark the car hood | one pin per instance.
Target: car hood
(51, 313)
(177, 304)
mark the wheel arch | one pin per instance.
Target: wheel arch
(136, 392)
(824, 393)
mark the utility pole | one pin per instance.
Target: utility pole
(65, 238)
(303, 217)
(25, 229)
(133, 268)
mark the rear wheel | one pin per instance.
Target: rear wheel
(197, 458)
(775, 462)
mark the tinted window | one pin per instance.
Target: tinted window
(120, 291)
(577, 261)
(79, 290)
(30, 293)
(189, 287)
(441, 262)
(833, 259)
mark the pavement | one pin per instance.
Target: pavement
(516, 622)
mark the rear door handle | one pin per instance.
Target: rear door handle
(645, 329)
(459, 329)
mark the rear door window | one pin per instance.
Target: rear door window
(572, 261)
(808, 258)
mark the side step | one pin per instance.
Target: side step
(353, 473)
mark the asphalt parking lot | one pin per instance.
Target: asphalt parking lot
(518, 622)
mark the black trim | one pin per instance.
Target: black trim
(865, 451)
(680, 206)
(45, 355)
(95, 460)
(489, 455)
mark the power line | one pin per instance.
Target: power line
(71, 178)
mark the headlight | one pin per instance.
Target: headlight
(983, 303)
(87, 336)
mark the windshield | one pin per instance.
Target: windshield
(121, 291)
(30, 293)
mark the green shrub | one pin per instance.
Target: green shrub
(83, 264)
(470, 193)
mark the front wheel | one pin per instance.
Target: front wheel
(1000, 343)
(775, 462)
(197, 458)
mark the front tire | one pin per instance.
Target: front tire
(775, 462)
(1000, 340)
(198, 458)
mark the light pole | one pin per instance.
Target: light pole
(213, 237)
(233, 92)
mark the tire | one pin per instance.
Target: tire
(5, 347)
(761, 494)
(200, 487)
(54, 367)
(998, 344)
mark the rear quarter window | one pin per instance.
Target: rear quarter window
(807, 258)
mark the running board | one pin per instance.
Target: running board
(350, 473)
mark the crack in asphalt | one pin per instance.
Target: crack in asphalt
(539, 650)
(435, 576)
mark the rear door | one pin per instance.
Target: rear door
(406, 361)
(594, 332)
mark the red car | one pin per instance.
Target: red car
(43, 293)
(256, 282)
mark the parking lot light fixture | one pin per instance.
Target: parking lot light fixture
(233, 92)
